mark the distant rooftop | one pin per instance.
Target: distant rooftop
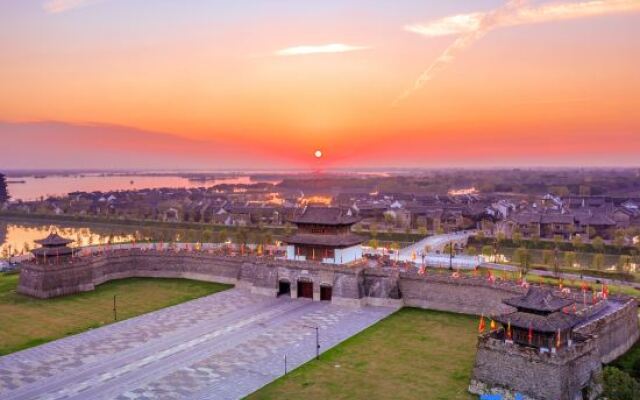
(324, 216)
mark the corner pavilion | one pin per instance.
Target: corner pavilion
(540, 320)
(54, 249)
(324, 235)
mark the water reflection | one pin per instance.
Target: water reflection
(17, 239)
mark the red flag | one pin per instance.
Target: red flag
(530, 335)
(558, 339)
(481, 326)
(509, 330)
(492, 326)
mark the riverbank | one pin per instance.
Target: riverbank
(276, 232)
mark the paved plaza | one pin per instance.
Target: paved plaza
(222, 346)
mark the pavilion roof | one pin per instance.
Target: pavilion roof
(311, 239)
(324, 216)
(539, 299)
(54, 240)
(540, 323)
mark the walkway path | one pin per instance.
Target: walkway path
(563, 275)
(435, 243)
(224, 346)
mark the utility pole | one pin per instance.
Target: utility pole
(451, 256)
(317, 339)
(115, 310)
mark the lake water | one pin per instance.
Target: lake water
(34, 188)
(18, 238)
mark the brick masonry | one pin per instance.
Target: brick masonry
(610, 332)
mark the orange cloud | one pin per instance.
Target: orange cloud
(473, 27)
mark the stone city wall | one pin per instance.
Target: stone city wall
(612, 330)
(538, 376)
(468, 295)
(616, 330)
(354, 285)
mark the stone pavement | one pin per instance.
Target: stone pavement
(223, 346)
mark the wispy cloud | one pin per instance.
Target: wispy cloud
(472, 27)
(319, 49)
(58, 6)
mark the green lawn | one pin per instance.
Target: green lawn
(27, 322)
(413, 354)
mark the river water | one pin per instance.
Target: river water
(18, 238)
(33, 188)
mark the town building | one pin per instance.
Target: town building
(324, 235)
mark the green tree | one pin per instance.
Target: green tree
(268, 237)
(373, 243)
(241, 236)
(373, 231)
(487, 251)
(618, 385)
(423, 231)
(569, 259)
(207, 235)
(523, 258)
(516, 237)
(222, 236)
(4, 192)
(535, 239)
(576, 241)
(598, 261)
(598, 244)
(547, 257)
(472, 251)
(389, 218)
(624, 263)
(619, 239)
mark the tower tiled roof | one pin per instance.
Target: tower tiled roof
(54, 240)
(539, 300)
(324, 216)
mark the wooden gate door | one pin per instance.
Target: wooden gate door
(305, 289)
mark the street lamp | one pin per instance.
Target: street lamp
(451, 251)
(317, 339)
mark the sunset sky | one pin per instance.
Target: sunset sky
(263, 84)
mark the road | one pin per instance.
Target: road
(436, 243)
(223, 346)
